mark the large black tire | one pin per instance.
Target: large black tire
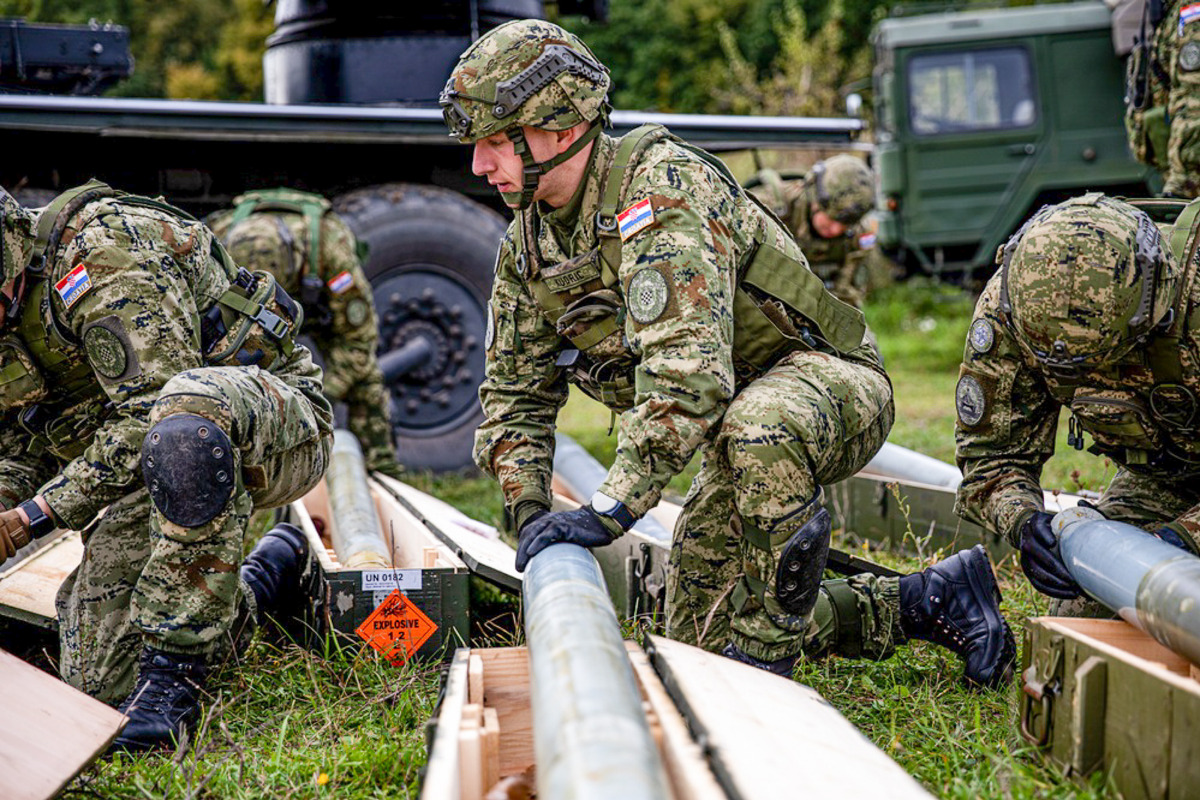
(432, 252)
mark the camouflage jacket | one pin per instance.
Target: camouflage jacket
(116, 316)
(1172, 79)
(669, 363)
(1008, 413)
(343, 324)
(840, 261)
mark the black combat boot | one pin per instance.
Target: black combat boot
(289, 588)
(164, 701)
(956, 603)
(783, 666)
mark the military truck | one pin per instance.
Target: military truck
(984, 116)
(351, 113)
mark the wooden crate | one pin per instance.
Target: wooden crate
(428, 572)
(1101, 694)
(723, 729)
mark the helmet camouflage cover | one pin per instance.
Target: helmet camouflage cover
(845, 188)
(18, 231)
(525, 72)
(1085, 281)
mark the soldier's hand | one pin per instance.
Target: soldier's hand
(1041, 562)
(14, 533)
(581, 526)
(1172, 537)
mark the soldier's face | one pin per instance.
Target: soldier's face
(826, 226)
(494, 158)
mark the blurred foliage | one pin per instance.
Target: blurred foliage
(734, 53)
(201, 49)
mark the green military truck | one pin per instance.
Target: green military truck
(984, 116)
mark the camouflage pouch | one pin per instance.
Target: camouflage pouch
(1116, 420)
(254, 323)
(21, 383)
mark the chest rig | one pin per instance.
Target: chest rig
(1146, 413)
(314, 294)
(779, 306)
(47, 385)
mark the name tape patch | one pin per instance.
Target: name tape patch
(74, 285)
(340, 282)
(638, 216)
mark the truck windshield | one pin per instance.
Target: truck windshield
(970, 90)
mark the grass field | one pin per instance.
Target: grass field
(347, 725)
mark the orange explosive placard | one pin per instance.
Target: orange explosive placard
(396, 628)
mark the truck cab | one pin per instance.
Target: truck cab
(983, 117)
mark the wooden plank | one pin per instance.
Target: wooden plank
(443, 780)
(1125, 642)
(470, 754)
(28, 588)
(689, 773)
(475, 679)
(474, 542)
(506, 689)
(491, 747)
(50, 732)
(760, 728)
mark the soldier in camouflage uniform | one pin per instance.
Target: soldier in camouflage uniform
(313, 254)
(152, 398)
(824, 212)
(1162, 97)
(1093, 313)
(639, 270)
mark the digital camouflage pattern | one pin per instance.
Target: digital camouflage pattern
(841, 261)
(16, 240)
(144, 276)
(669, 367)
(473, 109)
(1165, 131)
(343, 327)
(1139, 406)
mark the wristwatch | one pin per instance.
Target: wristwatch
(40, 523)
(615, 510)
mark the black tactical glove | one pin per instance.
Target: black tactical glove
(1172, 537)
(581, 526)
(1041, 562)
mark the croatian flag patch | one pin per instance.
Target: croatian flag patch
(866, 241)
(635, 218)
(74, 285)
(340, 282)
(1187, 14)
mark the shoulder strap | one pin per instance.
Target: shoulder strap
(313, 207)
(55, 216)
(629, 152)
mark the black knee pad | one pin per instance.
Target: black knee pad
(802, 564)
(187, 462)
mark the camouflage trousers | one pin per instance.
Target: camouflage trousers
(368, 412)
(810, 420)
(145, 580)
(1146, 501)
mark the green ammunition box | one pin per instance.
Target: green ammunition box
(1103, 695)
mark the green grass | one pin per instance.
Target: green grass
(348, 725)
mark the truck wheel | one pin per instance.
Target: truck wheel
(430, 263)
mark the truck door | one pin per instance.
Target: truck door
(974, 124)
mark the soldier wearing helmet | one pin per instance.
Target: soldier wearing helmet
(825, 211)
(640, 271)
(151, 396)
(1090, 313)
(309, 249)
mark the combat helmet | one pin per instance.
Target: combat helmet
(17, 239)
(1085, 281)
(845, 189)
(526, 72)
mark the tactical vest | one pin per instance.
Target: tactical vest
(45, 377)
(314, 294)
(779, 305)
(1156, 425)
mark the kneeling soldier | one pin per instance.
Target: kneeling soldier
(145, 375)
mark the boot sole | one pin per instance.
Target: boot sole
(983, 582)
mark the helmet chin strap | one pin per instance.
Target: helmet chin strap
(533, 171)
